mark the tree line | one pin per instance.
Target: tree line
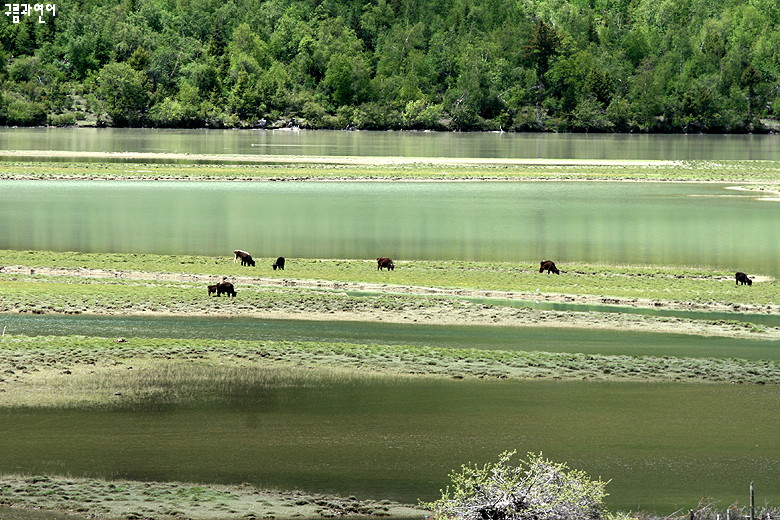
(513, 65)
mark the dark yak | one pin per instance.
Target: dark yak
(246, 258)
(549, 266)
(225, 288)
(213, 289)
(279, 264)
(743, 279)
(385, 263)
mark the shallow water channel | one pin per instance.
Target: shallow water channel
(664, 446)
(548, 339)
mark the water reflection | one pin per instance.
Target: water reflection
(631, 223)
(400, 144)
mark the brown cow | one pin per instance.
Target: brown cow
(549, 266)
(743, 279)
(212, 289)
(387, 263)
(225, 288)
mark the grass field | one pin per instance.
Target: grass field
(691, 284)
(82, 371)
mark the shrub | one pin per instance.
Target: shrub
(537, 489)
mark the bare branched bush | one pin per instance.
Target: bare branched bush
(536, 489)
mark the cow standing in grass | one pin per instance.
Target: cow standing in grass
(385, 263)
(246, 258)
(743, 279)
(549, 266)
(279, 264)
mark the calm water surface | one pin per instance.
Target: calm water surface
(403, 144)
(663, 446)
(637, 223)
(547, 339)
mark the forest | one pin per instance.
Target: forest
(462, 65)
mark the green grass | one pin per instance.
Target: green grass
(81, 371)
(720, 171)
(98, 498)
(684, 284)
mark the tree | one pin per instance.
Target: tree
(537, 489)
(123, 91)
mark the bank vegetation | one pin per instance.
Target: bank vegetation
(541, 65)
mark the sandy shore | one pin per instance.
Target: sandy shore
(343, 160)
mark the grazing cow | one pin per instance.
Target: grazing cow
(549, 266)
(386, 263)
(225, 288)
(743, 279)
(212, 289)
(279, 264)
(246, 258)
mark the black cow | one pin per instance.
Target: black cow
(213, 289)
(549, 266)
(385, 263)
(743, 279)
(246, 258)
(279, 264)
(225, 288)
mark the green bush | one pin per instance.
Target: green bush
(18, 110)
(67, 119)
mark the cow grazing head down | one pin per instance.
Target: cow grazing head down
(743, 279)
(224, 287)
(385, 263)
(279, 264)
(549, 266)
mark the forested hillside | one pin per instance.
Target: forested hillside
(516, 65)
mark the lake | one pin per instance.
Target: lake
(607, 222)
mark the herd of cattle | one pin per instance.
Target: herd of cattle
(225, 287)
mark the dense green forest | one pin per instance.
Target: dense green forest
(514, 65)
